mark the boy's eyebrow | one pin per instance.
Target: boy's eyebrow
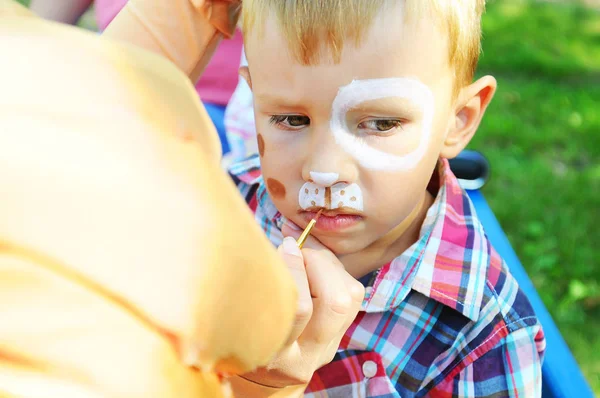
(389, 105)
(280, 101)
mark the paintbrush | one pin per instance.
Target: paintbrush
(307, 230)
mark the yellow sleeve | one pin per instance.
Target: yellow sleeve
(63, 336)
(185, 31)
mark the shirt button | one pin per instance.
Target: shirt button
(369, 369)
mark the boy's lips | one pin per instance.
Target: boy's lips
(333, 220)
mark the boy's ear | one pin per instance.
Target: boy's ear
(245, 73)
(472, 102)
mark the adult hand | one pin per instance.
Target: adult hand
(329, 299)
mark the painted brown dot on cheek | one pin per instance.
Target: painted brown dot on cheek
(261, 145)
(305, 190)
(342, 192)
(341, 204)
(313, 203)
(317, 191)
(276, 188)
(353, 199)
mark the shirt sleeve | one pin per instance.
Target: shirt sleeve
(513, 368)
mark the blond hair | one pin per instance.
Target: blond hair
(310, 26)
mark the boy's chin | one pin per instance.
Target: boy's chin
(342, 246)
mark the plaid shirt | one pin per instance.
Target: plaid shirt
(444, 319)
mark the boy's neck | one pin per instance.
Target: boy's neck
(391, 245)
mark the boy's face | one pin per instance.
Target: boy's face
(360, 138)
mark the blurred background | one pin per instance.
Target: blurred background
(542, 137)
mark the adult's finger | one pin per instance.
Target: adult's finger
(357, 295)
(292, 256)
(310, 243)
(332, 301)
(347, 297)
(356, 289)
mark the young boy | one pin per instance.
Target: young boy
(358, 104)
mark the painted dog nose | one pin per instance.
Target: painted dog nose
(324, 179)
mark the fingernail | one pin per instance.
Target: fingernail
(291, 247)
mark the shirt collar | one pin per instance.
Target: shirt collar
(448, 263)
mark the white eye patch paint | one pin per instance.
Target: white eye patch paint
(331, 197)
(360, 91)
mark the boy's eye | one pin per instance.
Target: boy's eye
(290, 121)
(380, 125)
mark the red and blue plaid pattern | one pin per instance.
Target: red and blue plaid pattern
(444, 319)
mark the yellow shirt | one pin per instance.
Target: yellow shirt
(125, 251)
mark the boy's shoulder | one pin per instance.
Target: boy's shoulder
(430, 343)
(446, 341)
(439, 330)
(456, 265)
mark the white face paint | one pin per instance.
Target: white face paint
(325, 179)
(326, 193)
(360, 91)
(340, 195)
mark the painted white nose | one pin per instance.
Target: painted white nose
(324, 179)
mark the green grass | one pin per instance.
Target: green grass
(542, 137)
